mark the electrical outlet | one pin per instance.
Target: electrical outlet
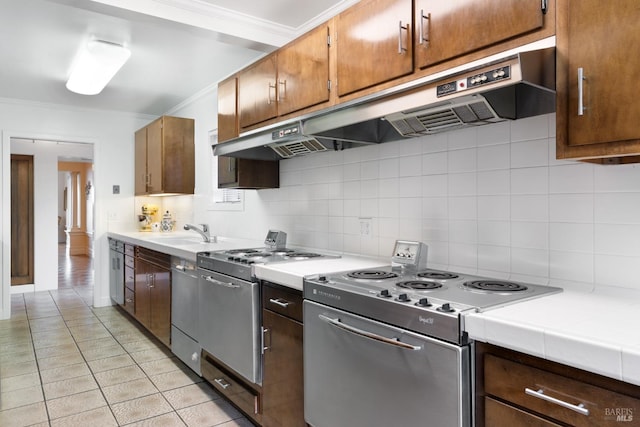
(112, 216)
(116, 189)
(366, 227)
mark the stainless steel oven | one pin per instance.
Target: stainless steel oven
(387, 347)
(229, 322)
(359, 372)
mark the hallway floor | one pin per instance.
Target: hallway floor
(65, 363)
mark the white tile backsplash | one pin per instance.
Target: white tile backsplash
(491, 200)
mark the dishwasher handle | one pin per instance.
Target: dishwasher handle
(220, 283)
(391, 341)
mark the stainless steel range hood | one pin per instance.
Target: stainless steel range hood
(508, 88)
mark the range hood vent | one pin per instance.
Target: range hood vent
(509, 87)
(298, 148)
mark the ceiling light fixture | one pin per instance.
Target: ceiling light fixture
(95, 66)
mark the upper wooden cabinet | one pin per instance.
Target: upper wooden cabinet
(597, 114)
(447, 29)
(227, 109)
(303, 71)
(295, 77)
(374, 43)
(257, 92)
(164, 157)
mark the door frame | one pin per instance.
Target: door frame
(5, 196)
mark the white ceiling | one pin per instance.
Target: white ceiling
(179, 47)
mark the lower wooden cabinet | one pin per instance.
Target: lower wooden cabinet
(515, 389)
(282, 382)
(153, 292)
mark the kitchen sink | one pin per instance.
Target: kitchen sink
(184, 240)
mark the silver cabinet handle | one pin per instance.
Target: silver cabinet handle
(280, 302)
(263, 344)
(275, 90)
(581, 79)
(424, 39)
(218, 282)
(401, 48)
(392, 341)
(540, 395)
(222, 383)
(282, 95)
(180, 267)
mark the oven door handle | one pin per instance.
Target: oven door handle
(392, 341)
(218, 282)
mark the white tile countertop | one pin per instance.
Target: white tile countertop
(291, 274)
(597, 331)
(183, 244)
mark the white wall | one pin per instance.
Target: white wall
(112, 136)
(491, 200)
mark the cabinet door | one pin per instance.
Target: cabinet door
(303, 72)
(282, 383)
(446, 29)
(601, 38)
(142, 297)
(154, 157)
(227, 109)
(141, 162)
(257, 92)
(160, 301)
(178, 155)
(374, 43)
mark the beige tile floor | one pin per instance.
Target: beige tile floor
(64, 363)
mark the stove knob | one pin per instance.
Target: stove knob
(230, 258)
(446, 307)
(385, 293)
(423, 302)
(322, 279)
(250, 262)
(403, 298)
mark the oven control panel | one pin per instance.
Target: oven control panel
(409, 253)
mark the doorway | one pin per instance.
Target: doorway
(50, 270)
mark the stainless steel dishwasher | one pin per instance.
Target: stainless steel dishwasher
(185, 342)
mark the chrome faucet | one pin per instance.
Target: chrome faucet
(203, 231)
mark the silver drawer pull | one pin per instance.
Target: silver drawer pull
(540, 395)
(278, 301)
(222, 383)
(180, 267)
(392, 341)
(218, 282)
(581, 80)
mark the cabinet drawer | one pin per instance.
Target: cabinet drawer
(129, 301)
(500, 414)
(546, 393)
(287, 302)
(129, 250)
(243, 397)
(129, 261)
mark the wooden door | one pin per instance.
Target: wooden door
(160, 300)
(602, 37)
(282, 385)
(374, 43)
(227, 109)
(446, 29)
(257, 92)
(154, 157)
(22, 267)
(141, 162)
(303, 72)
(177, 155)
